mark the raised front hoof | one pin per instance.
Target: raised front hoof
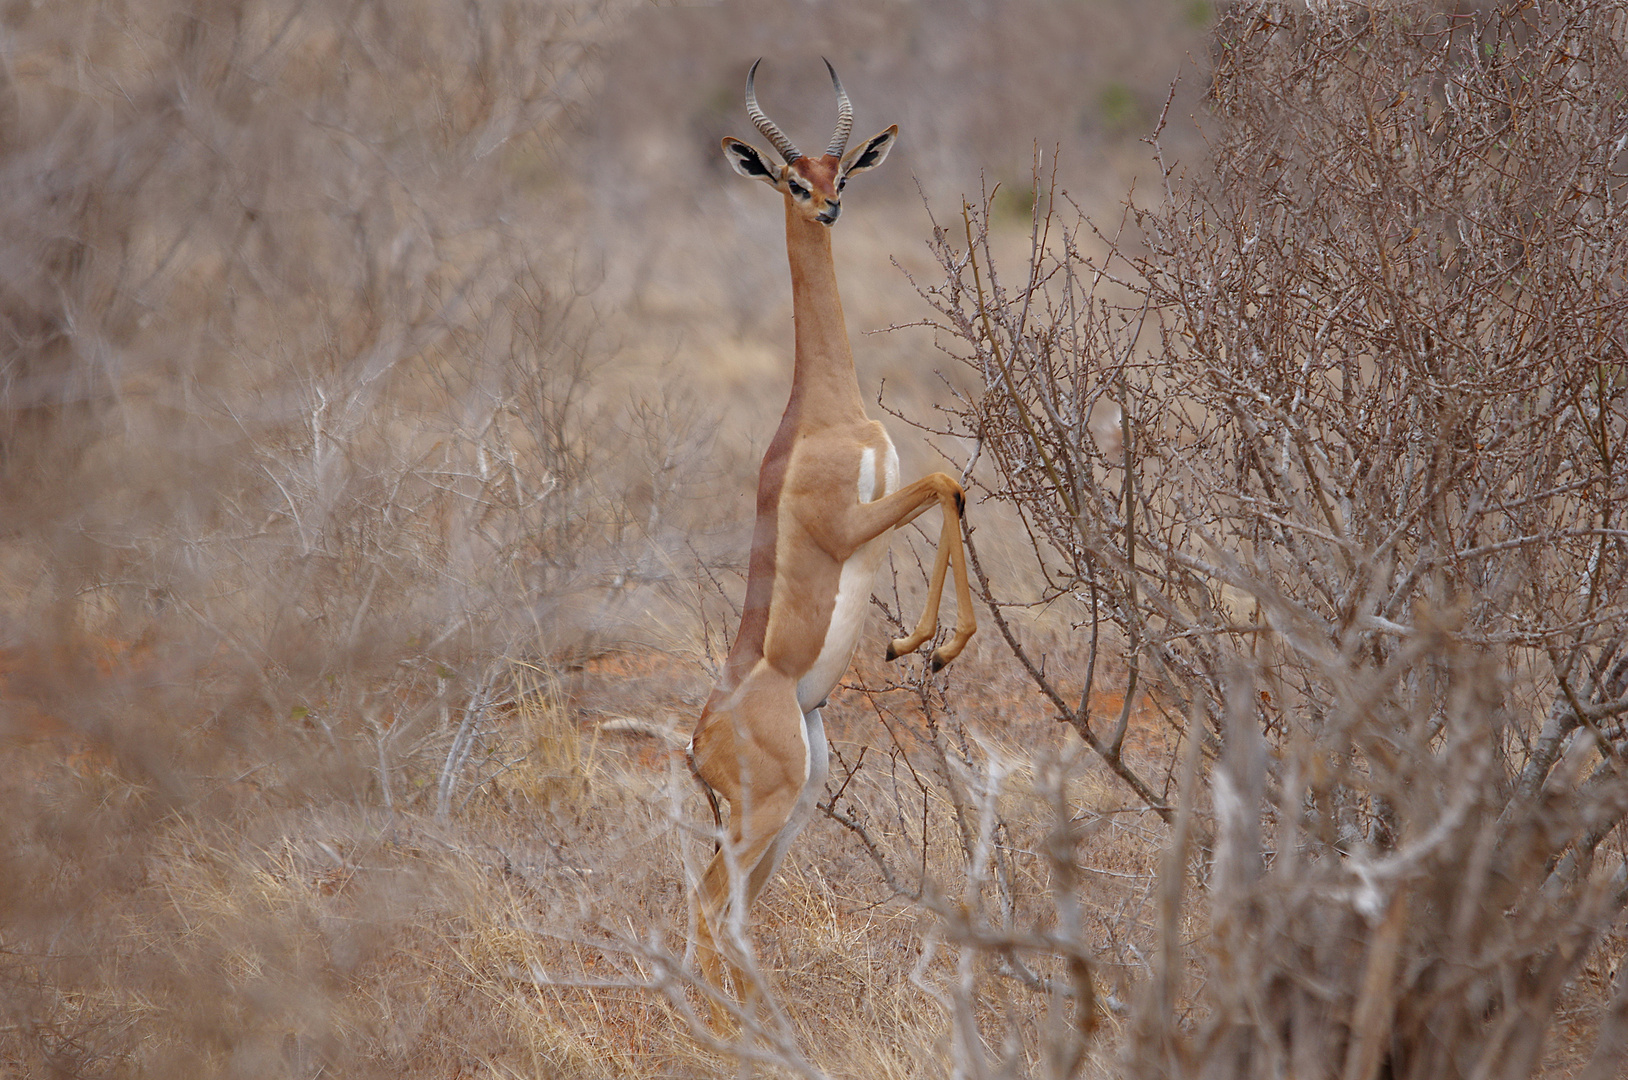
(945, 653)
(894, 650)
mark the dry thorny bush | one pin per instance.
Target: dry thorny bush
(1326, 437)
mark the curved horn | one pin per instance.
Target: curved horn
(845, 115)
(764, 124)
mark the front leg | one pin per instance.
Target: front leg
(950, 553)
(866, 521)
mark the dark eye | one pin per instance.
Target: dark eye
(797, 189)
(842, 183)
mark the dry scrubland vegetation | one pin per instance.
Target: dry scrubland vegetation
(358, 549)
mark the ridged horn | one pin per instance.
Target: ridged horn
(845, 116)
(764, 124)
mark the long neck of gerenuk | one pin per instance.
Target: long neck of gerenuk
(823, 381)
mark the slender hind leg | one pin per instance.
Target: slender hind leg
(755, 752)
(721, 904)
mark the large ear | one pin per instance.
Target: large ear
(869, 154)
(749, 161)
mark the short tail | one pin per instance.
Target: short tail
(712, 800)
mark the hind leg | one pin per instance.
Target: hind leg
(754, 750)
(755, 870)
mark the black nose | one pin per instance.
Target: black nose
(832, 211)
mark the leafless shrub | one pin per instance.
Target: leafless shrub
(1325, 440)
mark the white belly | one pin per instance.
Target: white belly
(876, 479)
(847, 620)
